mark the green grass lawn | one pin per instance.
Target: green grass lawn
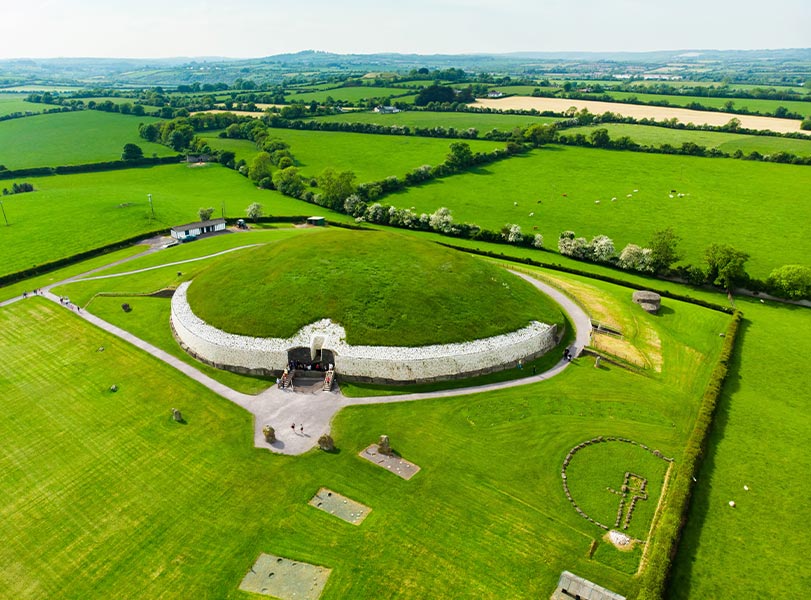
(107, 483)
(15, 103)
(748, 205)
(72, 138)
(765, 107)
(351, 94)
(383, 289)
(69, 214)
(484, 122)
(371, 157)
(728, 142)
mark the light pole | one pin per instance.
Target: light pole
(151, 206)
(223, 210)
(4, 212)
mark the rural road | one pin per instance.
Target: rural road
(282, 408)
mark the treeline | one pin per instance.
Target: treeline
(724, 266)
(18, 188)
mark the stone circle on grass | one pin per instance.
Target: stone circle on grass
(285, 579)
(340, 506)
(397, 465)
(632, 490)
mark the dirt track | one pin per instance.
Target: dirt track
(639, 111)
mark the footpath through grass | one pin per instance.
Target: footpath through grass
(69, 214)
(107, 484)
(72, 138)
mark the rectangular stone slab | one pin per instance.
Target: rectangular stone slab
(285, 578)
(340, 506)
(399, 466)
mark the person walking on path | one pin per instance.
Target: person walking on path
(302, 430)
(293, 427)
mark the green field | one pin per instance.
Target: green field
(71, 138)
(727, 142)
(371, 157)
(742, 203)
(351, 94)
(15, 103)
(90, 210)
(132, 522)
(751, 104)
(484, 122)
(371, 283)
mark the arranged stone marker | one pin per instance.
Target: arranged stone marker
(126, 307)
(114, 388)
(399, 466)
(285, 578)
(326, 443)
(269, 433)
(177, 416)
(383, 445)
(340, 506)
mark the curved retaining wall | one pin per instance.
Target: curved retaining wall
(268, 356)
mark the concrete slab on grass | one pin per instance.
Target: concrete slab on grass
(395, 464)
(340, 506)
(285, 578)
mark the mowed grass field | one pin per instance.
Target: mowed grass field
(484, 122)
(745, 204)
(727, 142)
(107, 484)
(72, 138)
(352, 94)
(69, 214)
(370, 156)
(15, 103)
(752, 105)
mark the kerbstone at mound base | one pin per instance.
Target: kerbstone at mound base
(649, 301)
(358, 363)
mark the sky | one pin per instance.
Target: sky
(255, 28)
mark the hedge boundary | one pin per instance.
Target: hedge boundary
(606, 278)
(111, 165)
(665, 539)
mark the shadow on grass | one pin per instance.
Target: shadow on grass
(681, 576)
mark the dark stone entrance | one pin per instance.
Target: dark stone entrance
(301, 357)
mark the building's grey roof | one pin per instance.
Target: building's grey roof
(198, 225)
(574, 586)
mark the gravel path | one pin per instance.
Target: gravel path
(282, 408)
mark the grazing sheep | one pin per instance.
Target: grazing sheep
(671, 195)
(596, 202)
(629, 196)
(515, 203)
(532, 214)
(635, 191)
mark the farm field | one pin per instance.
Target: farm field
(745, 204)
(641, 111)
(15, 103)
(76, 206)
(484, 122)
(370, 156)
(754, 105)
(188, 517)
(72, 138)
(727, 142)
(351, 94)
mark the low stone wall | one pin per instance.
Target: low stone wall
(393, 364)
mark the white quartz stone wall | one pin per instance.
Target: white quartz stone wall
(393, 363)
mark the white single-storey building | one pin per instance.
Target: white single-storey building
(181, 232)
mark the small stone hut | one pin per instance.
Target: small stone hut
(571, 586)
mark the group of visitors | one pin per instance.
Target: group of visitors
(302, 366)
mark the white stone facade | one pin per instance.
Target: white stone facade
(365, 363)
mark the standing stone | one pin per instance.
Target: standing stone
(326, 443)
(383, 445)
(597, 363)
(177, 416)
(269, 433)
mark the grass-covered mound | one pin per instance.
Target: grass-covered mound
(384, 289)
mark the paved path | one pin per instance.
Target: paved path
(282, 408)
